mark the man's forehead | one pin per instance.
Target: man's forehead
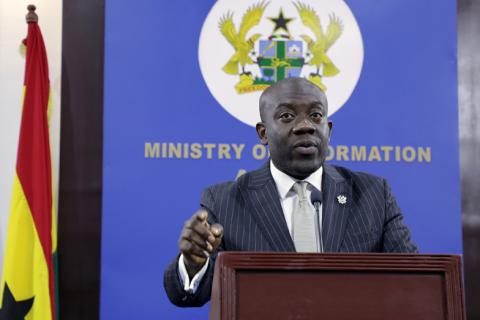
(298, 97)
(291, 91)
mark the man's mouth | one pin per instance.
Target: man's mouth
(305, 147)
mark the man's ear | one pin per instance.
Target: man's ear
(262, 133)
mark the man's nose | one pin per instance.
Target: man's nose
(304, 125)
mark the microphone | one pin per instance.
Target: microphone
(316, 199)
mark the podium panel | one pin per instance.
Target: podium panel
(337, 286)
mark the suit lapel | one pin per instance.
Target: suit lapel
(261, 197)
(335, 210)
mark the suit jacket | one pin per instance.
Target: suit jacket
(250, 212)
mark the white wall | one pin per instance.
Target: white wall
(13, 29)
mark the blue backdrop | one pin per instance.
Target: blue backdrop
(155, 93)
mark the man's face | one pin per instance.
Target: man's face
(295, 127)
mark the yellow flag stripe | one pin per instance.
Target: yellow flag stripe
(25, 269)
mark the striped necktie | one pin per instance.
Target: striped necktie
(303, 221)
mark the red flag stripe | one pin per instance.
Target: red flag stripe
(33, 161)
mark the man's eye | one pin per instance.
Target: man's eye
(316, 115)
(286, 116)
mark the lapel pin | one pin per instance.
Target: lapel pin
(342, 199)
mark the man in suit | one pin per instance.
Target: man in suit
(262, 210)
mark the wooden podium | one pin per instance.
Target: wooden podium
(251, 286)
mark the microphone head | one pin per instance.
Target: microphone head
(316, 196)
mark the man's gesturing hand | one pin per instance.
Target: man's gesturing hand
(198, 240)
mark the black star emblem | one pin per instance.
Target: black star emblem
(280, 22)
(12, 309)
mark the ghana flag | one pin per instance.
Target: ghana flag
(28, 281)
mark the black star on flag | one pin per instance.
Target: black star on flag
(12, 309)
(281, 22)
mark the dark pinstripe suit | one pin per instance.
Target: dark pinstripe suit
(251, 214)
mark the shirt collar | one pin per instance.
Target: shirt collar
(284, 182)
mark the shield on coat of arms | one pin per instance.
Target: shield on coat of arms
(279, 59)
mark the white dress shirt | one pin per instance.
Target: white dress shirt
(287, 198)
